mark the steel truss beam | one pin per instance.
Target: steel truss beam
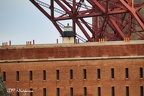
(111, 19)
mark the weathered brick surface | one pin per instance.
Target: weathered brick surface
(119, 82)
(69, 52)
(78, 83)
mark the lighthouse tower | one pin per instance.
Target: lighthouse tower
(68, 34)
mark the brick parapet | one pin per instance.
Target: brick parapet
(73, 51)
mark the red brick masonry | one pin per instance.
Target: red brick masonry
(128, 72)
(71, 51)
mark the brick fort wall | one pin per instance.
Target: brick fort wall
(90, 70)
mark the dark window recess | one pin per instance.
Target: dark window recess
(113, 91)
(17, 93)
(31, 92)
(30, 75)
(98, 74)
(85, 91)
(44, 74)
(57, 74)
(112, 73)
(126, 73)
(71, 74)
(141, 91)
(44, 91)
(99, 91)
(17, 75)
(4, 76)
(58, 92)
(71, 91)
(141, 72)
(84, 73)
(127, 90)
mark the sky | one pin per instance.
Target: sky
(21, 21)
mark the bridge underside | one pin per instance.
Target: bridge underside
(112, 20)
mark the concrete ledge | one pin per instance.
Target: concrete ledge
(132, 42)
(72, 59)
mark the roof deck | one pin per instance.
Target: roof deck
(106, 43)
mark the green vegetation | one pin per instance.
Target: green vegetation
(3, 91)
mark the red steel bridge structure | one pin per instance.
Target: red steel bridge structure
(112, 20)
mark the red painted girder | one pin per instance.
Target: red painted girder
(52, 8)
(78, 23)
(139, 6)
(83, 30)
(98, 29)
(85, 23)
(117, 27)
(129, 24)
(120, 21)
(98, 13)
(98, 5)
(138, 20)
(115, 4)
(47, 15)
(101, 27)
(110, 24)
(85, 11)
(98, 10)
(111, 37)
(140, 16)
(117, 12)
(133, 11)
(138, 33)
(93, 14)
(140, 38)
(64, 8)
(67, 4)
(95, 27)
(78, 7)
